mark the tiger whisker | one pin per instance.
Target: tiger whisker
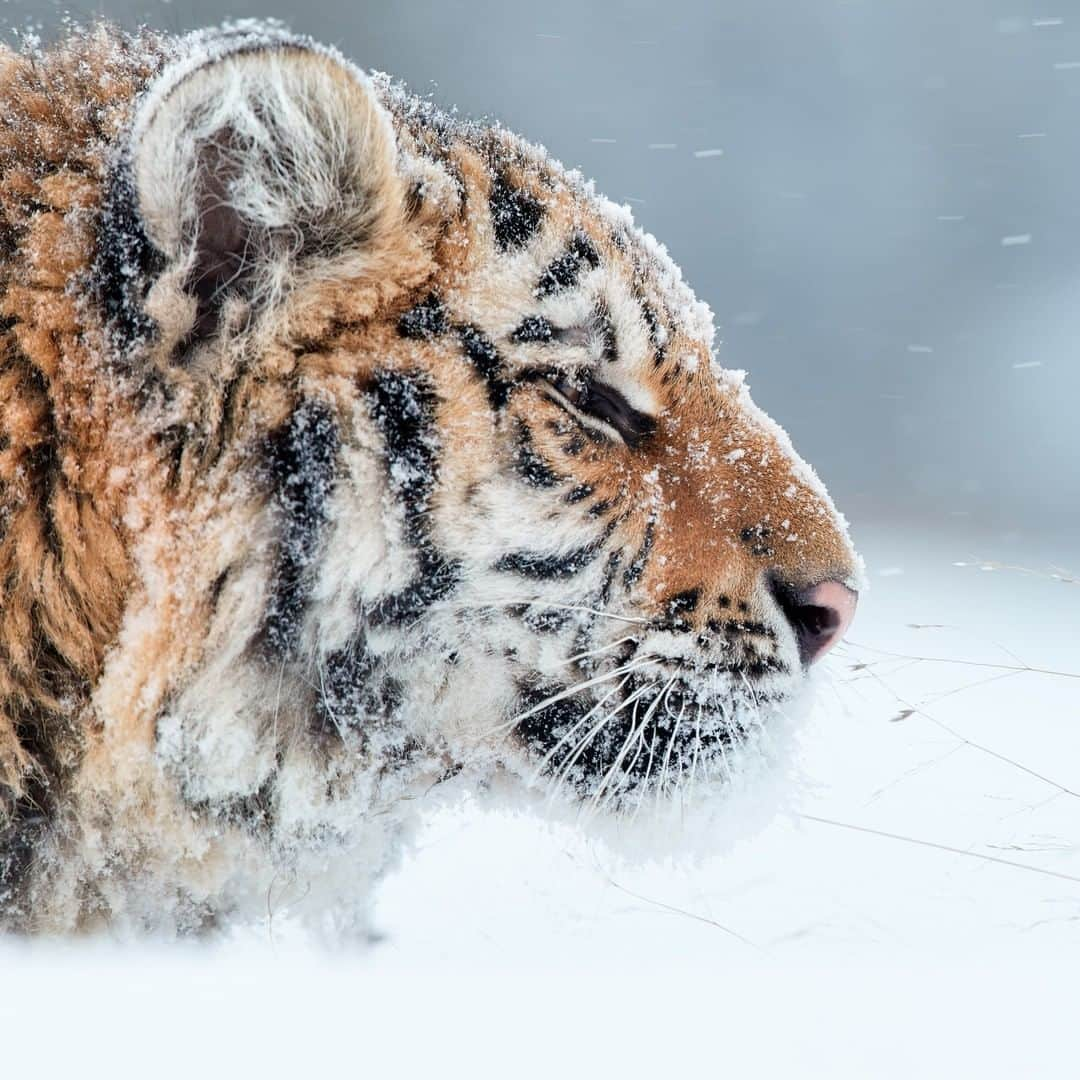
(571, 760)
(594, 731)
(277, 700)
(670, 746)
(645, 782)
(569, 691)
(590, 611)
(635, 733)
(588, 716)
(320, 668)
(602, 649)
(720, 747)
(697, 754)
(652, 748)
(496, 608)
(639, 737)
(750, 688)
(593, 804)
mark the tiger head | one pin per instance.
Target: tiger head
(424, 449)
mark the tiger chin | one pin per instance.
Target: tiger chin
(345, 447)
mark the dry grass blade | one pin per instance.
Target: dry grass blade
(1055, 573)
(681, 911)
(1018, 667)
(909, 709)
(941, 847)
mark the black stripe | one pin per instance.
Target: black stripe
(676, 610)
(343, 687)
(586, 620)
(606, 329)
(534, 564)
(217, 587)
(254, 813)
(656, 334)
(26, 826)
(542, 620)
(731, 627)
(633, 572)
(301, 463)
(436, 577)
(614, 559)
(515, 215)
(424, 321)
(528, 463)
(759, 667)
(414, 200)
(534, 328)
(126, 263)
(41, 466)
(403, 408)
(543, 729)
(485, 358)
(581, 492)
(564, 272)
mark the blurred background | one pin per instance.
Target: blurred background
(876, 197)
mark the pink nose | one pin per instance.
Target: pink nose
(819, 616)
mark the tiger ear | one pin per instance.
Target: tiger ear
(252, 165)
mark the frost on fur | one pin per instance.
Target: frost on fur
(350, 448)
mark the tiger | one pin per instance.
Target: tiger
(349, 448)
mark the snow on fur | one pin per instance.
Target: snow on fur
(420, 477)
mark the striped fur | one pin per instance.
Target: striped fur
(344, 446)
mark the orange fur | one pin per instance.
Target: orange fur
(64, 568)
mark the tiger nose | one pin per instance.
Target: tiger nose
(819, 616)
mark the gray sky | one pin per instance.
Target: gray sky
(889, 238)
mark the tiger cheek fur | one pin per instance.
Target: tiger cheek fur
(347, 446)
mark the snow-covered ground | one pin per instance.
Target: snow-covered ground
(908, 905)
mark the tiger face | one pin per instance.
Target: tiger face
(419, 455)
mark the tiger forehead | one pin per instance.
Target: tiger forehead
(515, 205)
